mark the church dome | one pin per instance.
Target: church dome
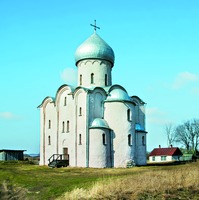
(99, 123)
(139, 127)
(118, 95)
(94, 48)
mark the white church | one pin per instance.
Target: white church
(96, 124)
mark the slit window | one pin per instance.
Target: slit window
(106, 80)
(49, 124)
(92, 78)
(80, 79)
(63, 127)
(80, 111)
(80, 139)
(129, 140)
(65, 101)
(49, 142)
(143, 140)
(129, 115)
(68, 126)
(104, 139)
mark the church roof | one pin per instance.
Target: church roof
(99, 123)
(94, 48)
(170, 151)
(118, 94)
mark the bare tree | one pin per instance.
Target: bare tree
(170, 133)
(188, 134)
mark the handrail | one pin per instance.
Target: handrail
(56, 157)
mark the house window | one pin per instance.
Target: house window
(80, 111)
(63, 127)
(65, 101)
(80, 139)
(143, 141)
(106, 80)
(68, 126)
(80, 79)
(153, 158)
(129, 140)
(104, 139)
(49, 124)
(163, 158)
(92, 78)
(129, 115)
(49, 142)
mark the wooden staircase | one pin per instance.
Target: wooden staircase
(58, 160)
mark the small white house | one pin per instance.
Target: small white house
(165, 154)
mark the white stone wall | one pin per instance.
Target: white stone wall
(99, 153)
(141, 148)
(99, 68)
(81, 130)
(50, 146)
(115, 113)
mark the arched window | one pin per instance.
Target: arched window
(143, 140)
(49, 124)
(80, 79)
(129, 115)
(80, 111)
(65, 101)
(129, 140)
(104, 138)
(106, 80)
(67, 126)
(49, 142)
(80, 139)
(92, 78)
(63, 127)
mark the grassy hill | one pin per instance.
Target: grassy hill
(22, 180)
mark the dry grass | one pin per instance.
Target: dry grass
(177, 182)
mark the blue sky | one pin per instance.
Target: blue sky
(156, 46)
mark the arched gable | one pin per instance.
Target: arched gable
(60, 91)
(137, 100)
(47, 100)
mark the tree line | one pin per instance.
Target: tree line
(186, 134)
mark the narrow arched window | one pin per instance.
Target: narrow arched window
(65, 101)
(129, 140)
(92, 78)
(106, 80)
(80, 139)
(104, 138)
(80, 111)
(143, 140)
(63, 127)
(80, 79)
(68, 126)
(49, 124)
(129, 115)
(49, 142)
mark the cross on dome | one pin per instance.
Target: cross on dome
(95, 26)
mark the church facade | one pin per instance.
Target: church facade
(96, 124)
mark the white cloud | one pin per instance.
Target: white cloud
(8, 115)
(69, 75)
(184, 78)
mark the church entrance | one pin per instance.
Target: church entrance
(66, 155)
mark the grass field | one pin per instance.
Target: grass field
(21, 180)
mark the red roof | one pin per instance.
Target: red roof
(171, 151)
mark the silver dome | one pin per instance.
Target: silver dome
(118, 95)
(94, 48)
(99, 123)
